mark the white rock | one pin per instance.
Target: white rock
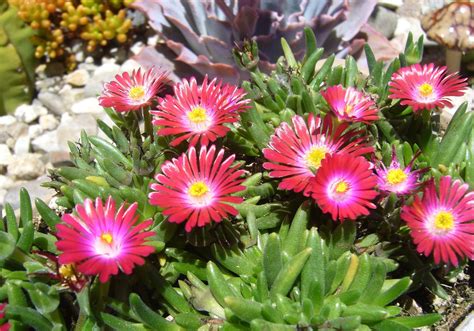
(22, 145)
(48, 122)
(405, 25)
(448, 113)
(5, 155)
(87, 106)
(137, 47)
(7, 120)
(109, 60)
(105, 73)
(6, 182)
(35, 130)
(71, 126)
(29, 113)
(28, 166)
(53, 102)
(46, 143)
(390, 3)
(130, 65)
(79, 77)
(17, 129)
(70, 96)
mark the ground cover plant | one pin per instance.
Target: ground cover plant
(304, 199)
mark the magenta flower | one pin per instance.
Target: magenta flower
(295, 152)
(425, 86)
(100, 241)
(4, 326)
(199, 112)
(196, 189)
(350, 104)
(397, 179)
(132, 92)
(344, 186)
(441, 222)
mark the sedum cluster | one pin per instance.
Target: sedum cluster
(58, 21)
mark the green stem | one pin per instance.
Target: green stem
(148, 124)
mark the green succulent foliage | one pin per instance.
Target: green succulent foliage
(290, 279)
(18, 65)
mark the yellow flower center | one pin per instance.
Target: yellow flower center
(198, 189)
(444, 221)
(348, 109)
(136, 92)
(315, 156)
(425, 89)
(197, 115)
(67, 270)
(341, 187)
(396, 176)
(106, 238)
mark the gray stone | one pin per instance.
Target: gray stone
(467, 324)
(79, 77)
(22, 145)
(48, 122)
(34, 189)
(447, 113)
(29, 113)
(5, 122)
(405, 25)
(28, 166)
(87, 106)
(53, 102)
(384, 20)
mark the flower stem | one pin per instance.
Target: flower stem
(148, 124)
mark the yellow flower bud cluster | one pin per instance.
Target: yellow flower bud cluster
(58, 21)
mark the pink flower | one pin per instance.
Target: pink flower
(344, 186)
(4, 326)
(397, 179)
(425, 87)
(350, 104)
(132, 92)
(295, 152)
(196, 189)
(99, 241)
(441, 222)
(199, 112)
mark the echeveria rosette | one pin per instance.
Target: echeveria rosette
(101, 241)
(425, 86)
(199, 112)
(196, 189)
(442, 221)
(344, 186)
(350, 105)
(295, 151)
(129, 92)
(396, 179)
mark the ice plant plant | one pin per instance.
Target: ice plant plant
(199, 112)
(344, 186)
(425, 86)
(397, 179)
(100, 240)
(196, 189)
(350, 105)
(295, 152)
(129, 92)
(441, 222)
